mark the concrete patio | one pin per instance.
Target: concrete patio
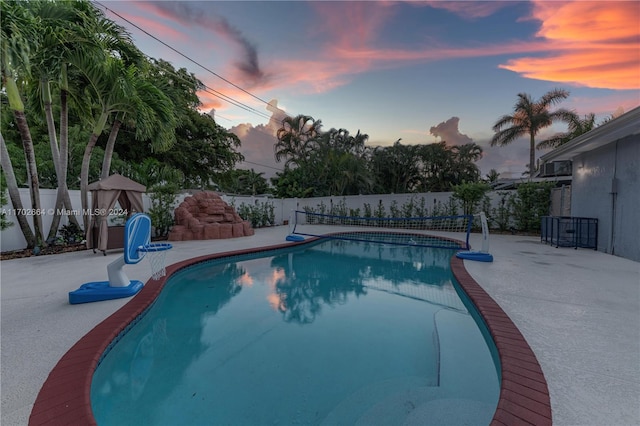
(579, 310)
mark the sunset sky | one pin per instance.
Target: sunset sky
(418, 71)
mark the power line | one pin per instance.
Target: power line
(208, 89)
(132, 132)
(263, 165)
(229, 99)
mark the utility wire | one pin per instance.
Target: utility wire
(246, 107)
(207, 88)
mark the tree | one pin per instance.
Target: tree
(153, 118)
(492, 176)
(465, 156)
(437, 167)
(327, 163)
(577, 126)
(295, 138)
(4, 222)
(14, 194)
(396, 168)
(19, 32)
(470, 195)
(108, 77)
(110, 86)
(60, 33)
(292, 183)
(529, 118)
(243, 182)
(532, 201)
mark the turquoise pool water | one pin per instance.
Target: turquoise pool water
(336, 332)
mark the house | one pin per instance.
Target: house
(606, 181)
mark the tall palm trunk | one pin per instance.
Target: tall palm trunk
(17, 106)
(32, 170)
(55, 154)
(64, 147)
(62, 194)
(532, 155)
(108, 151)
(84, 170)
(14, 194)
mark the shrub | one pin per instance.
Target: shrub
(163, 200)
(531, 202)
(501, 215)
(470, 195)
(71, 233)
(260, 214)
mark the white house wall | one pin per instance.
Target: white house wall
(606, 186)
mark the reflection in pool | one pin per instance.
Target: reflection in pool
(335, 332)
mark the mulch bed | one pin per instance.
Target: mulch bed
(57, 249)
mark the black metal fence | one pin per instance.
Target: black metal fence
(567, 231)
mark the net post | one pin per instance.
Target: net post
(483, 255)
(485, 233)
(292, 221)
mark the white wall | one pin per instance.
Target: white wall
(12, 238)
(606, 186)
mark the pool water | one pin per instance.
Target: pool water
(336, 332)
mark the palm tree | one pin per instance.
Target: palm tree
(437, 167)
(60, 33)
(153, 118)
(396, 168)
(19, 31)
(295, 137)
(352, 176)
(492, 176)
(529, 118)
(465, 157)
(577, 126)
(110, 86)
(14, 194)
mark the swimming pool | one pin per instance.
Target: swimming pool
(329, 332)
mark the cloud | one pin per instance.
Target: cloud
(448, 131)
(468, 9)
(250, 72)
(152, 26)
(258, 149)
(510, 161)
(592, 44)
(258, 143)
(250, 65)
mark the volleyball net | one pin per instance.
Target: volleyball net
(431, 231)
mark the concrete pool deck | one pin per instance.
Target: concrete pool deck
(579, 310)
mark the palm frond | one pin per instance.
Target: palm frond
(506, 136)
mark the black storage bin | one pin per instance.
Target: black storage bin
(568, 231)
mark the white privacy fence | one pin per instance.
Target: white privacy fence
(12, 238)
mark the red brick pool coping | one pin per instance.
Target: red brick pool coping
(65, 397)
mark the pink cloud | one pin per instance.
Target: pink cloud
(468, 9)
(152, 26)
(592, 44)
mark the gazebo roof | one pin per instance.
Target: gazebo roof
(115, 182)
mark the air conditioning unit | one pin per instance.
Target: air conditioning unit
(548, 169)
(556, 168)
(563, 168)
